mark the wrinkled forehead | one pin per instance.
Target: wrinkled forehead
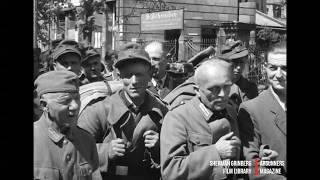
(157, 53)
(277, 59)
(59, 95)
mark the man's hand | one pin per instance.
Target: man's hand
(151, 138)
(117, 148)
(268, 154)
(228, 146)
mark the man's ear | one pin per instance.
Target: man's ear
(43, 104)
(54, 65)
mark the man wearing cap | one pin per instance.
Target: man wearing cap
(61, 149)
(202, 130)
(98, 87)
(67, 56)
(243, 89)
(92, 65)
(160, 81)
(126, 125)
(263, 120)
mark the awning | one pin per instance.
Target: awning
(263, 19)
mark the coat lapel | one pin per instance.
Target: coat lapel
(280, 117)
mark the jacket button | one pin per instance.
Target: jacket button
(68, 157)
(65, 141)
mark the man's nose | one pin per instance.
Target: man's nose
(74, 105)
(69, 67)
(279, 72)
(92, 67)
(222, 92)
(133, 79)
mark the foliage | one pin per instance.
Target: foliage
(49, 11)
(267, 36)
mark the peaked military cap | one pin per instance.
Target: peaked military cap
(131, 51)
(57, 81)
(64, 47)
(90, 53)
(233, 50)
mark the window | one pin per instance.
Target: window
(276, 11)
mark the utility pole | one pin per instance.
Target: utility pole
(238, 10)
(35, 31)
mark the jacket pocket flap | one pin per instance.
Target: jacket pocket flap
(46, 173)
(200, 139)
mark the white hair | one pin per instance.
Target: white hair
(154, 45)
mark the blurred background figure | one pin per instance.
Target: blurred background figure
(242, 89)
(92, 65)
(160, 81)
(110, 73)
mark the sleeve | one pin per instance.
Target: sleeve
(251, 140)
(94, 120)
(176, 160)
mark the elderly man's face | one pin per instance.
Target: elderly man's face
(70, 62)
(135, 78)
(215, 88)
(63, 108)
(276, 69)
(238, 66)
(158, 62)
(92, 68)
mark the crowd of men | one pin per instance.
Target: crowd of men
(119, 117)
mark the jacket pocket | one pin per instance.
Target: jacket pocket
(197, 141)
(46, 173)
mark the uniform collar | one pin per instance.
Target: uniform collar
(128, 102)
(206, 112)
(53, 134)
(118, 107)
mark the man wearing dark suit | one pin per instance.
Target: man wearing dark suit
(160, 81)
(262, 120)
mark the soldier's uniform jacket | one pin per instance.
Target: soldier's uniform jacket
(243, 90)
(113, 118)
(63, 158)
(187, 140)
(182, 93)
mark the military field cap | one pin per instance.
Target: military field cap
(233, 50)
(57, 81)
(64, 47)
(90, 53)
(131, 51)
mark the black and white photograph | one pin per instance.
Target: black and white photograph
(159, 89)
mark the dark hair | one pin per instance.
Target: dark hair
(278, 48)
(109, 54)
(133, 61)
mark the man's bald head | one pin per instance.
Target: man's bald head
(154, 47)
(211, 68)
(158, 59)
(214, 79)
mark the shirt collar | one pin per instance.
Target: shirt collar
(282, 104)
(128, 102)
(159, 83)
(53, 134)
